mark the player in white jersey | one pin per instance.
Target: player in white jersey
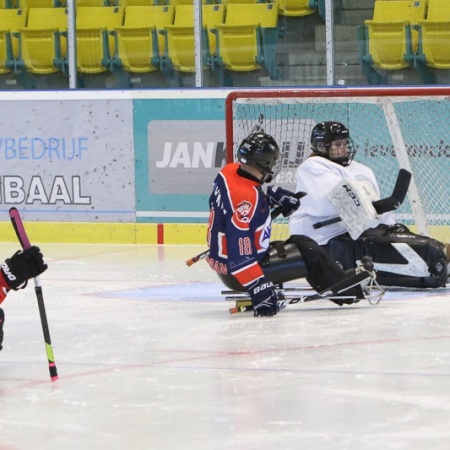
(401, 258)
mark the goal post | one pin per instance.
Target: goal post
(393, 128)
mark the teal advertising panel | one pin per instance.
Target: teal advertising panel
(179, 148)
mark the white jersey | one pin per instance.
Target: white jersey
(317, 176)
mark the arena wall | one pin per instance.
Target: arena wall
(117, 166)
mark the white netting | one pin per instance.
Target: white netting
(389, 132)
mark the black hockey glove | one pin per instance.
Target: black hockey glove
(284, 198)
(264, 298)
(22, 266)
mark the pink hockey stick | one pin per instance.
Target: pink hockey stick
(17, 223)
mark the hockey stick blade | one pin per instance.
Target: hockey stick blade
(383, 205)
(196, 258)
(398, 194)
(22, 236)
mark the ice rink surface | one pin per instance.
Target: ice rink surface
(149, 358)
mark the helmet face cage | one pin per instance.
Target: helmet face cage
(261, 151)
(322, 137)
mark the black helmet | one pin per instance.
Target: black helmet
(324, 133)
(261, 151)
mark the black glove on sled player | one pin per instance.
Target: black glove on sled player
(264, 298)
(22, 266)
(284, 198)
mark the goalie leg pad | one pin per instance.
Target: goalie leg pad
(407, 260)
(401, 257)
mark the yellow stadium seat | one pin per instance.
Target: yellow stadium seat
(238, 46)
(139, 46)
(247, 39)
(183, 2)
(126, 3)
(79, 3)
(43, 40)
(180, 42)
(296, 8)
(240, 1)
(434, 35)
(95, 45)
(391, 37)
(10, 21)
(27, 4)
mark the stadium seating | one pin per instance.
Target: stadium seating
(79, 3)
(10, 21)
(389, 40)
(182, 2)
(247, 40)
(297, 8)
(391, 37)
(43, 41)
(434, 38)
(180, 44)
(139, 46)
(95, 45)
(126, 3)
(27, 4)
(240, 1)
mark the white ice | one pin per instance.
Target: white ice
(149, 358)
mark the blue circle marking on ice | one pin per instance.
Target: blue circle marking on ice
(203, 292)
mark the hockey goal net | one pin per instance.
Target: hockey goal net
(392, 128)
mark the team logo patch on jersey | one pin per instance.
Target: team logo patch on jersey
(243, 211)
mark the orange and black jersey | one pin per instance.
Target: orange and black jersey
(239, 225)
